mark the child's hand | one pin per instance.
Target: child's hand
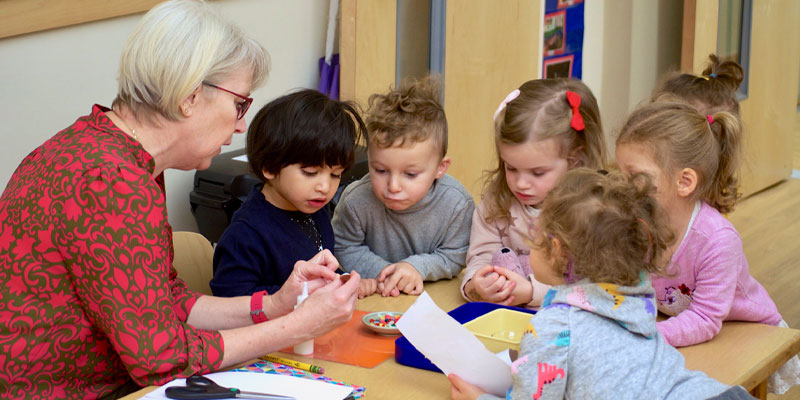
(401, 276)
(367, 288)
(393, 292)
(461, 390)
(523, 290)
(488, 285)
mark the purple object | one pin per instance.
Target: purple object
(329, 77)
(405, 353)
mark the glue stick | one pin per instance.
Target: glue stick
(306, 347)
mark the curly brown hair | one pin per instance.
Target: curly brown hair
(712, 91)
(411, 112)
(607, 225)
(680, 137)
(541, 111)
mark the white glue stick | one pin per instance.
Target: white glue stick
(306, 347)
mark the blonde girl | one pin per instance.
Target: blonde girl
(542, 130)
(693, 161)
(598, 238)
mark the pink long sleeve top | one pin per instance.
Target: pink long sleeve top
(487, 237)
(712, 283)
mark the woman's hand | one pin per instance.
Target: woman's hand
(328, 307)
(318, 272)
(461, 390)
(488, 285)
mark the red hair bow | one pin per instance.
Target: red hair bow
(574, 100)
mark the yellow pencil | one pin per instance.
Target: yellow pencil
(293, 363)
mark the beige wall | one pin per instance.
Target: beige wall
(628, 45)
(50, 78)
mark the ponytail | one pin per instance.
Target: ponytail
(712, 91)
(724, 189)
(680, 137)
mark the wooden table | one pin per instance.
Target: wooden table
(742, 354)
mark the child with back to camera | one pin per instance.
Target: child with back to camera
(542, 130)
(713, 90)
(298, 145)
(406, 221)
(597, 239)
(693, 159)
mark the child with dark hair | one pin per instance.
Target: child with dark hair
(298, 145)
(406, 221)
(597, 239)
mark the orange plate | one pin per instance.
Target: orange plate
(354, 344)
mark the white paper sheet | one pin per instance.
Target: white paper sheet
(300, 388)
(453, 348)
(242, 157)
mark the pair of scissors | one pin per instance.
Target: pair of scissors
(200, 387)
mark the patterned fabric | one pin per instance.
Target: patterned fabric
(599, 341)
(89, 298)
(709, 282)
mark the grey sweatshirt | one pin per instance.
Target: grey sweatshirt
(432, 235)
(599, 341)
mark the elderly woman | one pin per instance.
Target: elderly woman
(90, 304)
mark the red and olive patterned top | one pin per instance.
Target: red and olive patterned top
(89, 298)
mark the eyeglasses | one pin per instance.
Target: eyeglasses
(241, 108)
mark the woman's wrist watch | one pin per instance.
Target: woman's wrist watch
(256, 307)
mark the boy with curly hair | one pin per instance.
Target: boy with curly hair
(406, 221)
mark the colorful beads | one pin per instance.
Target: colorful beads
(385, 320)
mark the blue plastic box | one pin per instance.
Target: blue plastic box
(407, 354)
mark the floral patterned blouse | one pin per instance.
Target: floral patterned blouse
(89, 299)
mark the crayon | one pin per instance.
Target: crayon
(293, 363)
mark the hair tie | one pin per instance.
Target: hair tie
(511, 96)
(649, 238)
(713, 75)
(710, 119)
(574, 101)
(569, 276)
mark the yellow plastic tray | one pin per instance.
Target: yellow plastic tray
(500, 329)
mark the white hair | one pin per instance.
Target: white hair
(178, 45)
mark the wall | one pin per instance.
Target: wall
(628, 45)
(489, 51)
(50, 78)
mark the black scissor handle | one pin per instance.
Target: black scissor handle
(200, 387)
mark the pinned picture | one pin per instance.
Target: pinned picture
(567, 3)
(559, 67)
(554, 33)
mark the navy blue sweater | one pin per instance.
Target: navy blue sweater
(260, 246)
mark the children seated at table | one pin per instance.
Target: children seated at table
(298, 145)
(406, 221)
(692, 159)
(541, 130)
(597, 239)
